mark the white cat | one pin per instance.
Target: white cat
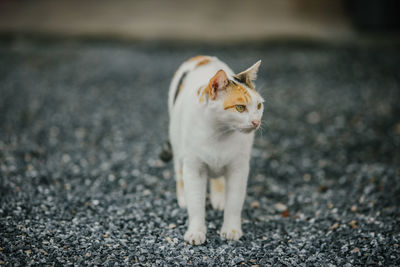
(213, 115)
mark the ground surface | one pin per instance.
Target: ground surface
(81, 124)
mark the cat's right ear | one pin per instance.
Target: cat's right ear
(217, 83)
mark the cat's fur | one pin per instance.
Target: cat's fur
(211, 138)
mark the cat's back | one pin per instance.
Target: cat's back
(192, 74)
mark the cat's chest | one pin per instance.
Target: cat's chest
(216, 164)
(218, 156)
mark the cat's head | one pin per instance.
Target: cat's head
(233, 102)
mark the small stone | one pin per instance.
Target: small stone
(313, 117)
(169, 240)
(107, 235)
(67, 186)
(166, 174)
(43, 251)
(66, 158)
(171, 226)
(255, 205)
(280, 207)
(330, 205)
(87, 254)
(334, 226)
(354, 208)
(307, 177)
(355, 250)
(323, 188)
(111, 177)
(28, 252)
(285, 214)
(353, 224)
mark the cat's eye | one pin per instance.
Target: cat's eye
(259, 106)
(240, 108)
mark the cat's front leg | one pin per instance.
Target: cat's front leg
(195, 186)
(236, 182)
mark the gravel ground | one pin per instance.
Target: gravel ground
(81, 127)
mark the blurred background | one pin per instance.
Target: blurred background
(83, 116)
(200, 21)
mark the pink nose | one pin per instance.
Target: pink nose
(255, 123)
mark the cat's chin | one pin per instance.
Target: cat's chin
(246, 129)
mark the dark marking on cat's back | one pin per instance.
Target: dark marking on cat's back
(177, 90)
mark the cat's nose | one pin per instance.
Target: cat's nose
(255, 123)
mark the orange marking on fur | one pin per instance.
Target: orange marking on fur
(218, 185)
(236, 95)
(179, 186)
(203, 62)
(205, 91)
(180, 88)
(201, 99)
(201, 94)
(199, 57)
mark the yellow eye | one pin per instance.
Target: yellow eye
(240, 108)
(259, 106)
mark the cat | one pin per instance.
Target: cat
(213, 116)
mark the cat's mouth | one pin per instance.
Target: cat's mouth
(247, 129)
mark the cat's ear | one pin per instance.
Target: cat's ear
(249, 76)
(217, 83)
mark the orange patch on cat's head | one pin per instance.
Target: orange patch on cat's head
(237, 94)
(234, 93)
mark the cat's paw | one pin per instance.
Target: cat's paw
(217, 201)
(195, 236)
(231, 233)
(181, 201)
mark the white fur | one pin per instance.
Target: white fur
(208, 142)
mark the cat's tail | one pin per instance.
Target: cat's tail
(166, 153)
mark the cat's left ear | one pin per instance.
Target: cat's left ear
(217, 83)
(249, 76)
